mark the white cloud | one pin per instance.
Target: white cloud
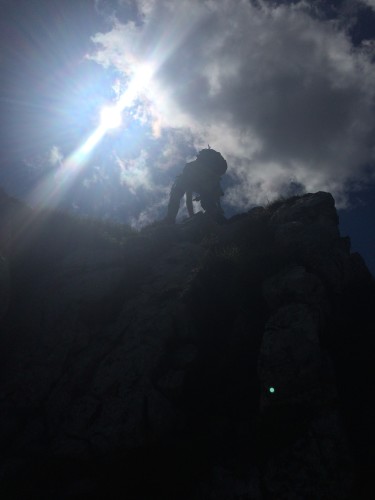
(135, 173)
(281, 94)
(55, 156)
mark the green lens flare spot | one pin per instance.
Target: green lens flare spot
(272, 390)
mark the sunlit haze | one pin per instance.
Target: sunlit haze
(110, 117)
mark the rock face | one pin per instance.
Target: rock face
(193, 361)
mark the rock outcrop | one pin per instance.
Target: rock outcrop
(193, 361)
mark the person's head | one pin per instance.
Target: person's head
(213, 158)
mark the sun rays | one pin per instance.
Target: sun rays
(53, 187)
(143, 100)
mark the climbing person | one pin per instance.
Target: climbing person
(201, 176)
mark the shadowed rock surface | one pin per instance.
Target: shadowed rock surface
(193, 361)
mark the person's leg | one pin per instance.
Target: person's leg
(211, 205)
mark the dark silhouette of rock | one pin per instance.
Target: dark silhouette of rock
(4, 285)
(190, 361)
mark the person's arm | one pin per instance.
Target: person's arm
(189, 203)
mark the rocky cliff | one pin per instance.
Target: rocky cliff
(193, 361)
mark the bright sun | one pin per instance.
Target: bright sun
(110, 117)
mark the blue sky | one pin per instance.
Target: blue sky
(283, 89)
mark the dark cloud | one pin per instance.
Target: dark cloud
(284, 89)
(355, 17)
(280, 90)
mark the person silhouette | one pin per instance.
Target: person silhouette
(201, 176)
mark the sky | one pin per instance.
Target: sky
(284, 89)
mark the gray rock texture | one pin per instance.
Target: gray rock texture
(192, 361)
